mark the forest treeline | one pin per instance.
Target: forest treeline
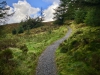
(27, 25)
(82, 11)
(80, 54)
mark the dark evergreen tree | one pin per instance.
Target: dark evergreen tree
(64, 11)
(80, 10)
(31, 23)
(20, 30)
(41, 15)
(4, 15)
(93, 17)
(3, 12)
(14, 31)
(80, 16)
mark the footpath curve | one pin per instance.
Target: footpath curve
(46, 64)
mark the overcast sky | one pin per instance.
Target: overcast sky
(31, 8)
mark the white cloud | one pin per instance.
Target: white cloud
(22, 9)
(49, 12)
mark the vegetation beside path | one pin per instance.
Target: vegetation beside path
(80, 54)
(23, 50)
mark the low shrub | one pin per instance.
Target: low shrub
(20, 30)
(24, 49)
(5, 55)
(7, 65)
(63, 48)
(14, 31)
(79, 16)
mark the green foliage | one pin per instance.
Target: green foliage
(79, 16)
(24, 60)
(93, 17)
(20, 30)
(6, 63)
(63, 48)
(64, 12)
(24, 49)
(93, 1)
(2, 33)
(14, 31)
(80, 54)
(36, 43)
(80, 10)
(4, 15)
(27, 25)
(59, 22)
(5, 55)
(31, 23)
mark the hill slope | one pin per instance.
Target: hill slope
(80, 54)
(20, 52)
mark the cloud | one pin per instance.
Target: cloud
(49, 12)
(22, 9)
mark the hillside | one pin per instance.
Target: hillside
(80, 54)
(9, 27)
(68, 45)
(20, 52)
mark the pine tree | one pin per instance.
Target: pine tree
(14, 31)
(3, 12)
(65, 11)
(79, 10)
(3, 16)
(41, 15)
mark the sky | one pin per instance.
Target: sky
(22, 8)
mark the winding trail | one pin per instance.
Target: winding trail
(46, 63)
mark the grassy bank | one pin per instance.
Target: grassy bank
(27, 48)
(80, 54)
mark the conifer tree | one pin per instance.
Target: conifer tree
(3, 15)
(79, 10)
(4, 12)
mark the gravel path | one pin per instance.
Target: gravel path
(46, 63)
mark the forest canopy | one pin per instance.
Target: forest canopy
(82, 11)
